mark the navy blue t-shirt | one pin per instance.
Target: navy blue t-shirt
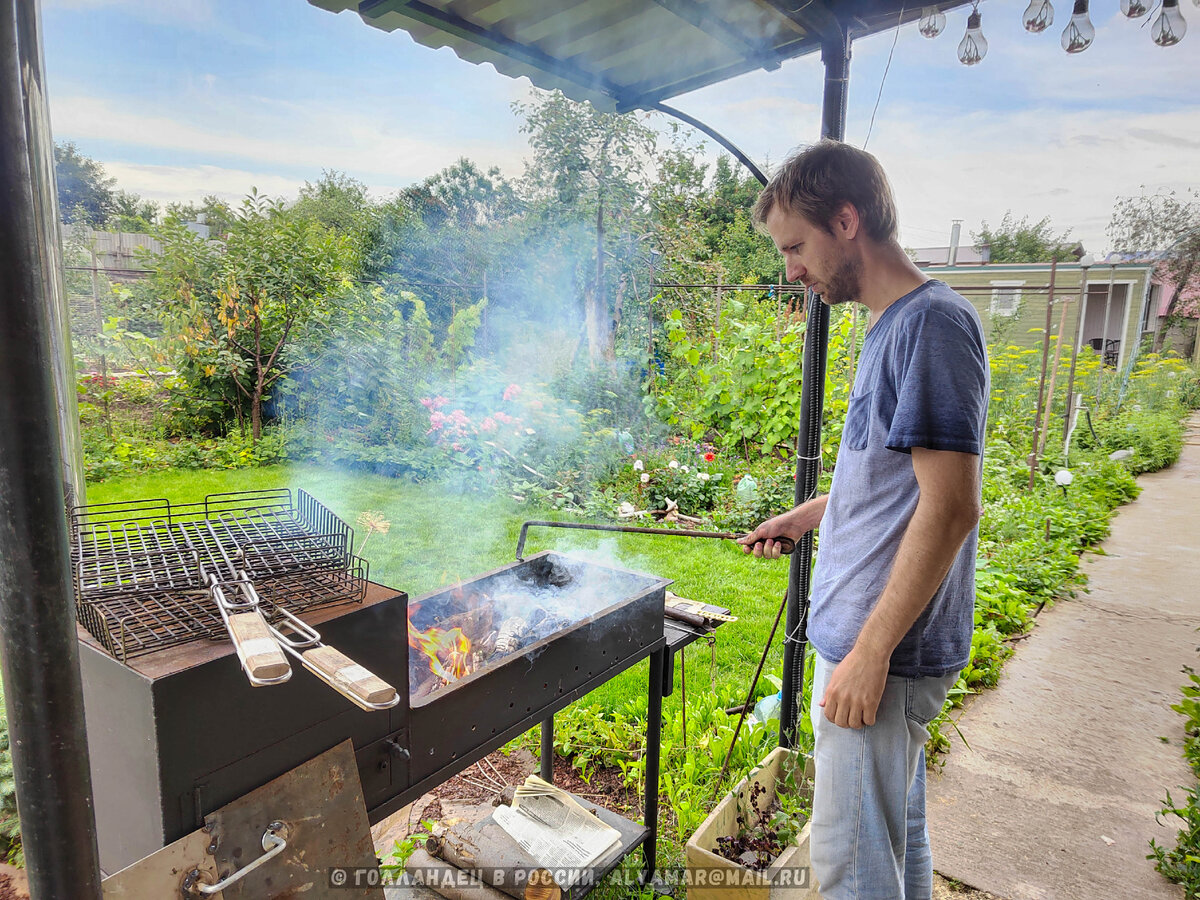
(922, 381)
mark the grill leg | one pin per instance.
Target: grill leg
(653, 745)
(548, 749)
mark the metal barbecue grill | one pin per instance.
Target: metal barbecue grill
(175, 733)
(151, 575)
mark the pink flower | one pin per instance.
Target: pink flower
(488, 425)
(511, 391)
(458, 448)
(709, 457)
(437, 421)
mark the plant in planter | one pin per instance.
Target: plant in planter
(757, 837)
(769, 825)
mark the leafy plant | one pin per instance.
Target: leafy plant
(392, 865)
(1181, 864)
(768, 825)
(10, 820)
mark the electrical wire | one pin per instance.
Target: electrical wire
(883, 80)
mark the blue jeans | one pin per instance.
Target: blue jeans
(869, 840)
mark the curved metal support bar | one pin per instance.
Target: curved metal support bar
(272, 843)
(716, 136)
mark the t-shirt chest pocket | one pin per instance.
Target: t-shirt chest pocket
(858, 422)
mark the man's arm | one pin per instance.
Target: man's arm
(793, 524)
(947, 509)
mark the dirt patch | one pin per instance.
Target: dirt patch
(14, 883)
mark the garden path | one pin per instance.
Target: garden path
(1056, 797)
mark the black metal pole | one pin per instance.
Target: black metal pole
(547, 758)
(43, 694)
(836, 56)
(653, 750)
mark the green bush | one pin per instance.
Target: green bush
(1154, 436)
(10, 820)
(1181, 864)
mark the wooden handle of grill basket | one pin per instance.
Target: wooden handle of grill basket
(347, 677)
(260, 653)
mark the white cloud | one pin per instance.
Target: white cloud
(262, 134)
(1069, 166)
(168, 184)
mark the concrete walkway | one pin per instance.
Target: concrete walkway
(1055, 799)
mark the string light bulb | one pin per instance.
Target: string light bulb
(1079, 33)
(1169, 28)
(1038, 16)
(973, 47)
(933, 20)
(1134, 9)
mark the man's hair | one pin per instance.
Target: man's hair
(817, 181)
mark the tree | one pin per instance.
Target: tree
(212, 211)
(1022, 242)
(85, 191)
(589, 166)
(131, 213)
(233, 309)
(1163, 226)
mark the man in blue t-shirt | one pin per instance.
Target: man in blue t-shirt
(894, 583)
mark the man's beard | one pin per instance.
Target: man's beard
(845, 284)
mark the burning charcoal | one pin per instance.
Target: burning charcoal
(544, 571)
(511, 632)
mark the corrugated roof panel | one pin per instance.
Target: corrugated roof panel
(622, 54)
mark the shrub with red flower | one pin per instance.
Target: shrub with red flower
(710, 457)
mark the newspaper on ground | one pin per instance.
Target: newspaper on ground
(553, 828)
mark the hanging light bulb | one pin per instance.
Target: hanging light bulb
(973, 47)
(933, 20)
(1079, 33)
(1134, 9)
(1169, 28)
(1039, 15)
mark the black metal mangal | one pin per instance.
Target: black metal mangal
(177, 733)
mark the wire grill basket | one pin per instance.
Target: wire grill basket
(142, 568)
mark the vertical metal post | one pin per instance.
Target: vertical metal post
(1112, 274)
(1038, 423)
(836, 56)
(1084, 264)
(43, 694)
(653, 751)
(547, 758)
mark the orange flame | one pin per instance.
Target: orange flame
(448, 651)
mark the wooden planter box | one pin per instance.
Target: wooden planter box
(712, 877)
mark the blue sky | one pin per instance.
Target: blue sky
(193, 97)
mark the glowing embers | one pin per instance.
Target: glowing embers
(476, 631)
(455, 633)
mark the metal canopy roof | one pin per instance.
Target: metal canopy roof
(630, 54)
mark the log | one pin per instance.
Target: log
(484, 846)
(449, 879)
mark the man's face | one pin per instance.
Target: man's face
(813, 256)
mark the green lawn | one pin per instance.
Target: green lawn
(437, 537)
